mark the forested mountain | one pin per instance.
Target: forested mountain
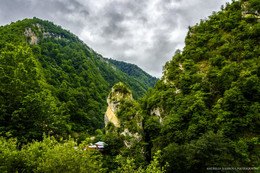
(136, 72)
(52, 82)
(203, 115)
(205, 111)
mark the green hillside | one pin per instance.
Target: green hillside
(209, 97)
(203, 115)
(41, 60)
(133, 70)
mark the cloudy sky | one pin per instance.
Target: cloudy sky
(143, 32)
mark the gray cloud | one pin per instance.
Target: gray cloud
(146, 33)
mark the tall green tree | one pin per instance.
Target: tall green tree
(27, 107)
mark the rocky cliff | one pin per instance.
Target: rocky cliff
(118, 92)
(123, 115)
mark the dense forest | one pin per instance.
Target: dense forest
(204, 113)
(136, 72)
(54, 83)
(209, 96)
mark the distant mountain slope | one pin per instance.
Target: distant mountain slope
(76, 77)
(136, 72)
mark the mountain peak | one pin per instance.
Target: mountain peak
(78, 78)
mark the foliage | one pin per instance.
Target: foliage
(48, 155)
(57, 78)
(208, 100)
(28, 108)
(133, 70)
(121, 88)
(209, 95)
(128, 165)
(210, 150)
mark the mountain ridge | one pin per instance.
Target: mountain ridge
(77, 77)
(136, 72)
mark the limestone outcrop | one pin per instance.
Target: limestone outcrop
(29, 33)
(118, 92)
(157, 112)
(110, 115)
(34, 39)
(126, 124)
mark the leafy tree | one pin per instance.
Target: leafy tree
(28, 108)
(48, 155)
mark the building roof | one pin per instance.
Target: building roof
(100, 144)
(91, 145)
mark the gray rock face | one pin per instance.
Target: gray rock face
(118, 92)
(157, 112)
(110, 115)
(136, 137)
(29, 33)
(113, 102)
(33, 37)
